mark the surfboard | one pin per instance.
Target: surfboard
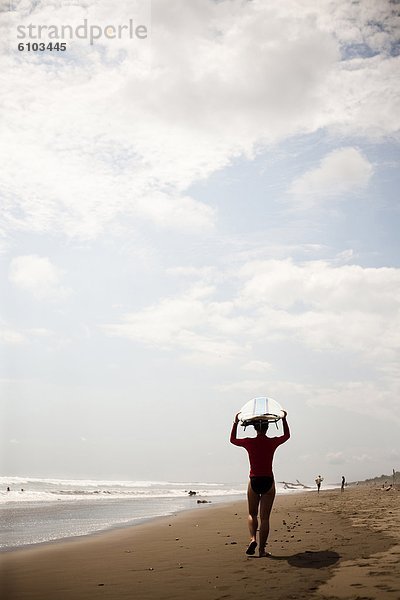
(260, 409)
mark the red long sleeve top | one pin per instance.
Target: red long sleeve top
(261, 450)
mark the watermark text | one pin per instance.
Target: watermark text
(84, 31)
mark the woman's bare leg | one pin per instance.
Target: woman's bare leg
(253, 500)
(266, 503)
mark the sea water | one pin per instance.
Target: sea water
(43, 510)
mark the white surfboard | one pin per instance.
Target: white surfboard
(260, 409)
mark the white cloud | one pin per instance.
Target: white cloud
(180, 212)
(191, 323)
(38, 276)
(250, 387)
(258, 366)
(39, 332)
(375, 398)
(341, 172)
(224, 79)
(325, 306)
(318, 306)
(203, 273)
(322, 305)
(336, 458)
(345, 256)
(362, 458)
(10, 336)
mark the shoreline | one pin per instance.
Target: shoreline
(208, 505)
(132, 521)
(119, 526)
(330, 545)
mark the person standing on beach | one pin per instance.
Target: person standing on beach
(318, 481)
(343, 483)
(261, 488)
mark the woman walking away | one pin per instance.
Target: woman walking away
(261, 488)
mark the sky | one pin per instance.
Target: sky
(192, 219)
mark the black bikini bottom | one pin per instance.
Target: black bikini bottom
(261, 485)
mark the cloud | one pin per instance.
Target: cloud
(360, 396)
(38, 276)
(336, 458)
(16, 337)
(250, 387)
(340, 173)
(318, 308)
(39, 332)
(180, 212)
(200, 328)
(224, 79)
(325, 306)
(362, 458)
(10, 336)
(258, 366)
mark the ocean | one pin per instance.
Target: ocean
(43, 510)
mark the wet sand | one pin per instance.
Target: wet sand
(328, 546)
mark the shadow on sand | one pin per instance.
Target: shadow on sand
(310, 559)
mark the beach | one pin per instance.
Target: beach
(43, 510)
(328, 546)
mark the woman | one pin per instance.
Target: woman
(261, 488)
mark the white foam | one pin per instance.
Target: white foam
(33, 489)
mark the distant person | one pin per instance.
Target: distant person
(8, 489)
(343, 483)
(318, 481)
(261, 488)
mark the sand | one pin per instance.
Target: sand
(327, 546)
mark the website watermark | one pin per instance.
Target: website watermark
(83, 31)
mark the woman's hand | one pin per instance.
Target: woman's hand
(284, 414)
(237, 417)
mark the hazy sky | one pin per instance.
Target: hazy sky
(194, 219)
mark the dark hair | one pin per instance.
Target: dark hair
(261, 426)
